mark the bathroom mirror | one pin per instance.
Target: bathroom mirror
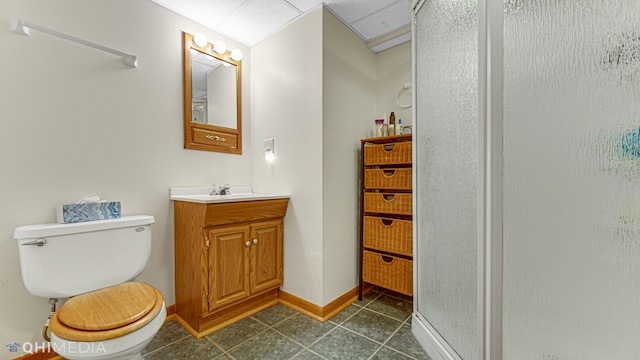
(212, 99)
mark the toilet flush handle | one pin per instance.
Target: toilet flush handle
(38, 242)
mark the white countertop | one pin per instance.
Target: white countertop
(200, 194)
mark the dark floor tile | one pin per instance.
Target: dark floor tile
(368, 297)
(169, 332)
(274, 314)
(341, 344)
(407, 298)
(372, 325)
(224, 357)
(304, 329)
(365, 328)
(390, 306)
(268, 345)
(188, 348)
(308, 355)
(387, 354)
(405, 342)
(234, 334)
(345, 314)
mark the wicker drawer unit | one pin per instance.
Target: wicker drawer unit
(386, 214)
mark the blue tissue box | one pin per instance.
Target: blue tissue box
(71, 213)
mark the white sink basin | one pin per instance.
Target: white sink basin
(200, 194)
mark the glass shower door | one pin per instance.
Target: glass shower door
(446, 190)
(571, 279)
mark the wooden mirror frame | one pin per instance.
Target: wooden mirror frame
(209, 137)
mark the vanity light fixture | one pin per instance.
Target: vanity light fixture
(200, 39)
(236, 54)
(219, 47)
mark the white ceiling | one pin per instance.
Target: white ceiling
(251, 21)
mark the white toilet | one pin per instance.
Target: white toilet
(92, 263)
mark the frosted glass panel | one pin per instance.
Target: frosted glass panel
(571, 180)
(447, 154)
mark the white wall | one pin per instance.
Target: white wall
(75, 120)
(394, 71)
(349, 104)
(286, 95)
(315, 91)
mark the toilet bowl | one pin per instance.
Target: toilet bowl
(107, 316)
(117, 322)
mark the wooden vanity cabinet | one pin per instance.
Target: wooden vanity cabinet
(228, 260)
(245, 260)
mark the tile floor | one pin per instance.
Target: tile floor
(378, 327)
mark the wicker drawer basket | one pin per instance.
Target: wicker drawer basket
(389, 272)
(390, 235)
(389, 203)
(385, 154)
(396, 179)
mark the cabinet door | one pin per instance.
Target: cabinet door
(266, 256)
(228, 265)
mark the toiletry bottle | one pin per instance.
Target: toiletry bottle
(392, 123)
(399, 127)
(379, 127)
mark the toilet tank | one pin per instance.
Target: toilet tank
(80, 257)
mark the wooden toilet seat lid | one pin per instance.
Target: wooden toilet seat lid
(115, 307)
(109, 308)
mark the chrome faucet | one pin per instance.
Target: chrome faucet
(221, 190)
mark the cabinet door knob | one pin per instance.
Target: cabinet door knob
(255, 241)
(248, 243)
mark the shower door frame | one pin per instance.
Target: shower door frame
(489, 207)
